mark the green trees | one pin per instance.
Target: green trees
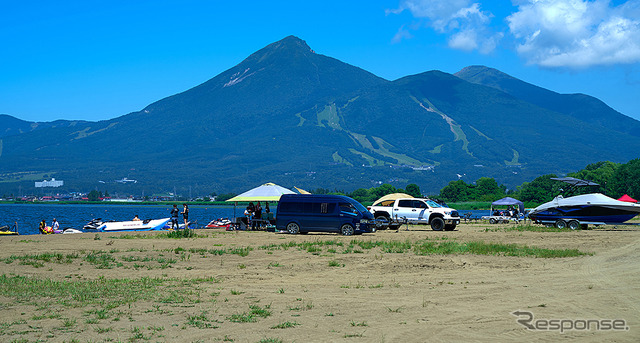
(625, 180)
(484, 189)
(94, 195)
(540, 190)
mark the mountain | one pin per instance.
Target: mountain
(289, 115)
(581, 106)
(13, 126)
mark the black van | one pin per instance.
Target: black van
(302, 213)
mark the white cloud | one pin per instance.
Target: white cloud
(463, 20)
(577, 33)
(402, 33)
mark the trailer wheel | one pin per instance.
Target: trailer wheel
(561, 224)
(492, 221)
(382, 222)
(573, 224)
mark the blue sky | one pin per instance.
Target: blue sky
(96, 60)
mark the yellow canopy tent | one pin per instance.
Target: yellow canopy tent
(392, 196)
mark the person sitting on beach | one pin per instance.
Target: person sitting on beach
(55, 226)
(135, 218)
(42, 227)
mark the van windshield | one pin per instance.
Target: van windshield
(359, 207)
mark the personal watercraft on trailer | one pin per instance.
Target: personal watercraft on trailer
(220, 223)
(6, 230)
(134, 225)
(581, 210)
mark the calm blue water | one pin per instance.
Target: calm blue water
(75, 216)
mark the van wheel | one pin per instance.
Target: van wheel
(437, 224)
(346, 230)
(293, 228)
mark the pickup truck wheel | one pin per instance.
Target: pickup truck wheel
(346, 230)
(293, 228)
(437, 224)
(450, 227)
(382, 222)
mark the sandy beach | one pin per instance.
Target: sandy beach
(264, 287)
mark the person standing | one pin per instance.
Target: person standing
(185, 215)
(257, 216)
(174, 217)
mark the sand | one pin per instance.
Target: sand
(365, 295)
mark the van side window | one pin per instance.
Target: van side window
(405, 203)
(346, 207)
(291, 207)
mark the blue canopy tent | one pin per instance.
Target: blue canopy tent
(507, 201)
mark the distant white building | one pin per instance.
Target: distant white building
(52, 183)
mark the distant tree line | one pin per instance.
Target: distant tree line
(615, 180)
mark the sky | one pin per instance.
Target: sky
(97, 60)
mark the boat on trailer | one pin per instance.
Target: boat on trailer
(582, 210)
(134, 225)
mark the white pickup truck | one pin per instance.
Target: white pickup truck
(395, 212)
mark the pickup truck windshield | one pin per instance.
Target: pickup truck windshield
(433, 204)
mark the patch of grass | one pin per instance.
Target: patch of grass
(482, 248)
(263, 312)
(242, 318)
(201, 321)
(363, 323)
(528, 227)
(285, 325)
(103, 330)
(334, 263)
(38, 260)
(270, 340)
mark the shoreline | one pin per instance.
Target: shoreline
(249, 286)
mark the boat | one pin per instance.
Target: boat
(94, 224)
(5, 230)
(581, 210)
(70, 230)
(220, 223)
(134, 225)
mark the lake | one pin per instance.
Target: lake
(76, 216)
